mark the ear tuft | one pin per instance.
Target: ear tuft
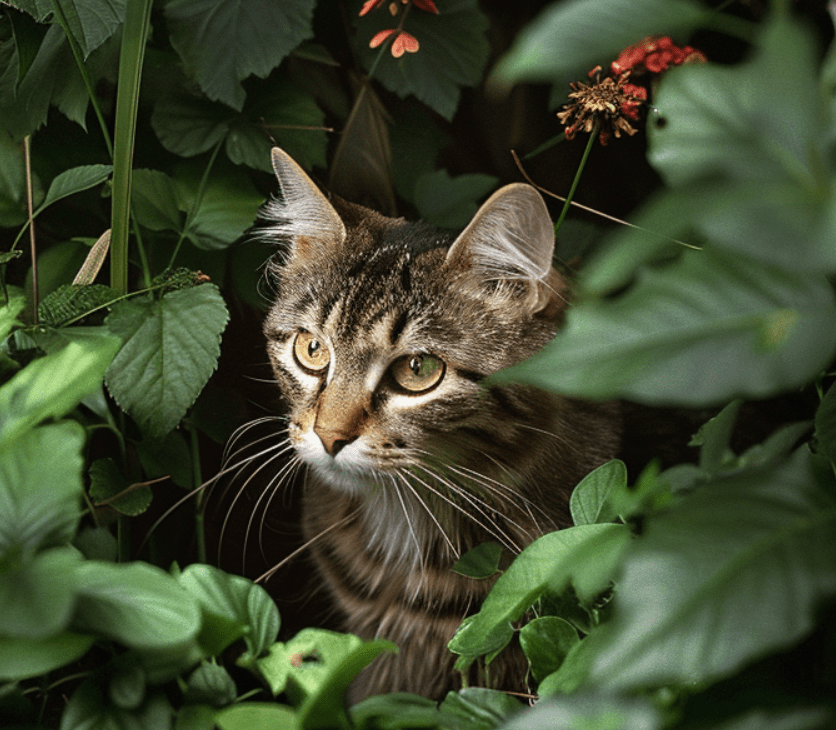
(303, 214)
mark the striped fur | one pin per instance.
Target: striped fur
(399, 483)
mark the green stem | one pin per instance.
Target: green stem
(197, 480)
(79, 61)
(201, 189)
(593, 135)
(132, 53)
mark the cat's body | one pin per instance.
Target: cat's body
(380, 338)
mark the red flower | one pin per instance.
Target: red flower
(403, 43)
(656, 54)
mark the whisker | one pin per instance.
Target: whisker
(432, 516)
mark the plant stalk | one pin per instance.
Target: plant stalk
(593, 135)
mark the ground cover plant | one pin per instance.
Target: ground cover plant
(134, 152)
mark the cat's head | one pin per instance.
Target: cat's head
(382, 330)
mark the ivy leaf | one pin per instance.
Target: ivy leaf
(453, 53)
(224, 43)
(171, 348)
(680, 334)
(692, 583)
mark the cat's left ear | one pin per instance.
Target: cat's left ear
(510, 239)
(303, 214)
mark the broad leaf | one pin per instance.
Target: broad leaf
(585, 556)
(136, 604)
(682, 332)
(52, 385)
(257, 716)
(154, 201)
(24, 658)
(171, 348)
(453, 53)
(223, 43)
(755, 545)
(37, 596)
(40, 490)
(450, 202)
(109, 486)
(75, 180)
(588, 711)
(569, 38)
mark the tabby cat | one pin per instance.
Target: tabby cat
(380, 337)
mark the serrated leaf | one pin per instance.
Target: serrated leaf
(569, 38)
(154, 201)
(453, 53)
(224, 43)
(171, 348)
(681, 333)
(108, 485)
(52, 385)
(40, 490)
(590, 501)
(72, 301)
(692, 584)
(584, 556)
(136, 604)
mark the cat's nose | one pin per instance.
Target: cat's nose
(334, 441)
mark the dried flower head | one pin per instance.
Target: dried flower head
(604, 105)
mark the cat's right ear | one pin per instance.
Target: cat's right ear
(302, 216)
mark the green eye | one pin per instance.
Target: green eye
(417, 373)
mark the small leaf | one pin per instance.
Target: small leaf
(74, 180)
(171, 348)
(9, 313)
(108, 485)
(211, 684)
(714, 439)
(546, 641)
(590, 501)
(478, 708)
(479, 562)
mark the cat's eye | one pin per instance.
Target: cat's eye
(310, 353)
(417, 373)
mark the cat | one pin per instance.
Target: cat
(380, 337)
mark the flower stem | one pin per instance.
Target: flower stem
(593, 135)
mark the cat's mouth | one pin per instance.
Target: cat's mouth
(351, 470)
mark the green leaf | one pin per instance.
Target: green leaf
(9, 313)
(480, 562)
(587, 711)
(585, 556)
(680, 334)
(224, 43)
(136, 604)
(245, 608)
(189, 125)
(12, 182)
(477, 708)
(107, 481)
(589, 502)
(154, 201)
(37, 596)
(169, 457)
(24, 658)
(171, 348)
(40, 490)
(89, 709)
(546, 641)
(453, 53)
(52, 385)
(755, 544)
(74, 180)
(257, 716)
(395, 711)
(211, 684)
(569, 38)
(773, 132)
(449, 202)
